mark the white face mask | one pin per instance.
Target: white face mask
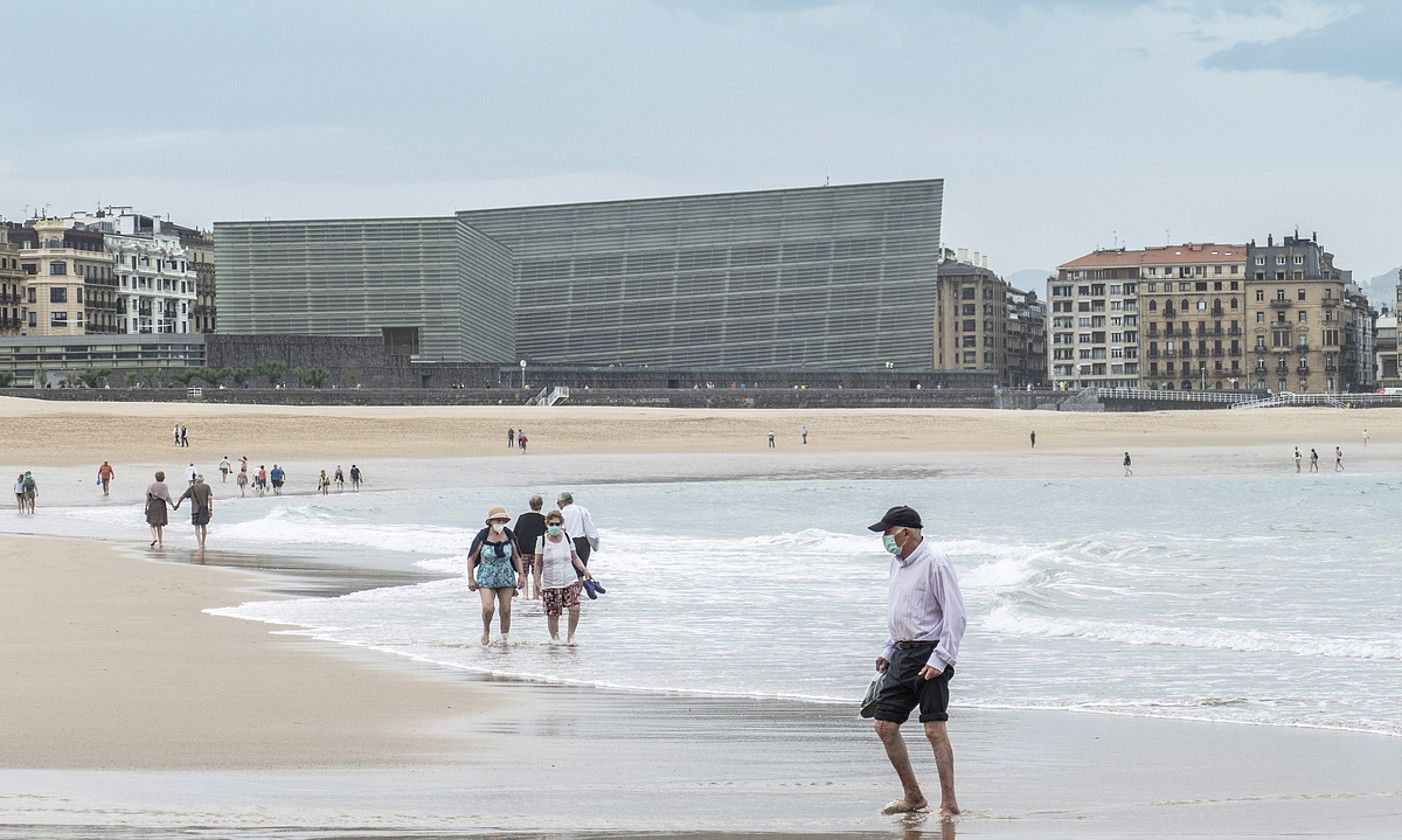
(498, 527)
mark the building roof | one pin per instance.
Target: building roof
(1188, 253)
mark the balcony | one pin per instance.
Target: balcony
(1302, 347)
(1218, 351)
(1330, 368)
(1202, 332)
(1169, 312)
(1217, 312)
(1303, 369)
(1282, 304)
(1330, 302)
(1236, 331)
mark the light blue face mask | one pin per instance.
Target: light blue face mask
(555, 530)
(890, 543)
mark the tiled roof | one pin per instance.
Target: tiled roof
(1189, 253)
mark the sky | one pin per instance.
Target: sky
(1058, 126)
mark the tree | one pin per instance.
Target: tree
(133, 377)
(240, 375)
(313, 377)
(184, 376)
(6, 378)
(271, 371)
(94, 377)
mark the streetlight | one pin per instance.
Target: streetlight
(523, 374)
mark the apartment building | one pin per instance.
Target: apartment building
(1026, 340)
(12, 310)
(199, 251)
(69, 285)
(971, 316)
(1094, 328)
(1192, 308)
(1305, 319)
(156, 283)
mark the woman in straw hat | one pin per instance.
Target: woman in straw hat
(494, 571)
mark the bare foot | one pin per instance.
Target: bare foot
(486, 639)
(949, 810)
(902, 806)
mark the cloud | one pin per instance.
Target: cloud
(1361, 45)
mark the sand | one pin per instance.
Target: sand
(108, 662)
(58, 434)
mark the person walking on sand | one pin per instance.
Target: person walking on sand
(771, 440)
(530, 527)
(521, 439)
(494, 571)
(340, 478)
(104, 477)
(184, 436)
(19, 494)
(1365, 438)
(157, 509)
(1128, 463)
(579, 524)
(1338, 459)
(803, 434)
(323, 484)
(1033, 437)
(510, 438)
(175, 433)
(242, 482)
(260, 480)
(31, 491)
(1297, 459)
(355, 478)
(224, 468)
(201, 498)
(278, 476)
(925, 624)
(243, 463)
(520, 433)
(561, 574)
(190, 474)
(1314, 461)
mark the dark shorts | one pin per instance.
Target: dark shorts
(582, 548)
(277, 482)
(903, 689)
(199, 517)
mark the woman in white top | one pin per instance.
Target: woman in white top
(559, 569)
(19, 493)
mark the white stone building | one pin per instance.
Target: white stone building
(156, 282)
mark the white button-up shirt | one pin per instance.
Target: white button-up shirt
(579, 522)
(925, 605)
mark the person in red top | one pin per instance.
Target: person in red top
(104, 476)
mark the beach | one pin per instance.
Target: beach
(127, 706)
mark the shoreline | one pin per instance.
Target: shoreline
(1020, 769)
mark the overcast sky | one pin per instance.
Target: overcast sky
(1058, 126)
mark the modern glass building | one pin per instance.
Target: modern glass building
(832, 277)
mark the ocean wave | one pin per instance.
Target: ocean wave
(1008, 619)
(318, 524)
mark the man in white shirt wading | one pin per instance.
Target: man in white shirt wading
(579, 524)
(926, 621)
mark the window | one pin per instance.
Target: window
(1260, 317)
(58, 319)
(1299, 259)
(1260, 260)
(1304, 316)
(1280, 259)
(1260, 295)
(58, 268)
(58, 294)
(1299, 294)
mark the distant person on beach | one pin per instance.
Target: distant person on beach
(1128, 463)
(1338, 459)
(579, 524)
(190, 474)
(1365, 438)
(340, 478)
(105, 476)
(1314, 461)
(1297, 459)
(355, 477)
(201, 498)
(175, 433)
(494, 571)
(242, 482)
(184, 436)
(560, 572)
(510, 438)
(278, 476)
(771, 440)
(224, 468)
(260, 481)
(1033, 437)
(530, 527)
(925, 623)
(243, 463)
(803, 434)
(157, 504)
(521, 441)
(19, 494)
(31, 491)
(323, 484)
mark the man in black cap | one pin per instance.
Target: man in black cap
(926, 621)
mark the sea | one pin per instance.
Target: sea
(1254, 600)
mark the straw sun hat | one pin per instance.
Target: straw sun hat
(497, 512)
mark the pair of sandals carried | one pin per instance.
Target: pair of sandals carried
(593, 589)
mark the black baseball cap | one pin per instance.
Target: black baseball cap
(899, 516)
